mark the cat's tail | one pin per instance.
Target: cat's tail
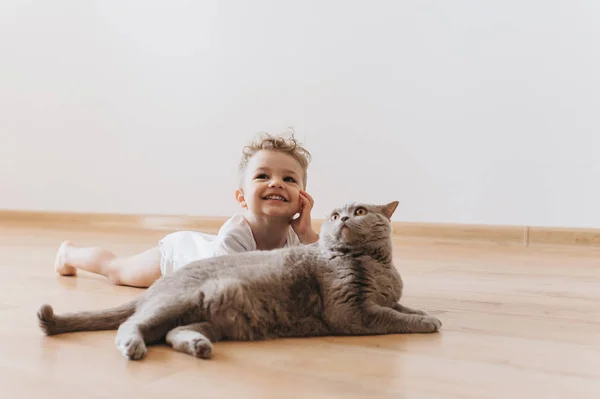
(107, 319)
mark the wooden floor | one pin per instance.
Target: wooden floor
(517, 323)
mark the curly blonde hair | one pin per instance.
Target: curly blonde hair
(287, 145)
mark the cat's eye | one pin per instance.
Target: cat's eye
(335, 216)
(360, 212)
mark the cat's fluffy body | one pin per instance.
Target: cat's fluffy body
(345, 284)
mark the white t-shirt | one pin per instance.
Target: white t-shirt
(182, 247)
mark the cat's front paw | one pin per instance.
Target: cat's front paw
(431, 323)
(132, 347)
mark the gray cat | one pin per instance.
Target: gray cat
(345, 284)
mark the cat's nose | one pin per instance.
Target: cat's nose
(344, 218)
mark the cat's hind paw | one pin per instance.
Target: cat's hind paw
(201, 348)
(132, 347)
(185, 340)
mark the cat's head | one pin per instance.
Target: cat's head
(358, 225)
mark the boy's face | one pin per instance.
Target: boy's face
(271, 185)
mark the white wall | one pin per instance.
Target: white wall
(465, 111)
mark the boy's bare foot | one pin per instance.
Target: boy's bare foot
(59, 263)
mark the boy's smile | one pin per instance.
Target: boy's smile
(275, 198)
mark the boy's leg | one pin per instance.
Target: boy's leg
(139, 270)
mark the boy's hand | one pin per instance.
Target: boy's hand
(302, 225)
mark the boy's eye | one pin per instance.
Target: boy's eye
(290, 179)
(262, 176)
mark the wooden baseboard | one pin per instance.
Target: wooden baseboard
(110, 221)
(564, 236)
(503, 235)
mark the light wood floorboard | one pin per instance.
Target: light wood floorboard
(517, 323)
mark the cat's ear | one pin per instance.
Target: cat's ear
(388, 210)
(239, 197)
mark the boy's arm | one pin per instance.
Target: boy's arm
(309, 238)
(302, 225)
